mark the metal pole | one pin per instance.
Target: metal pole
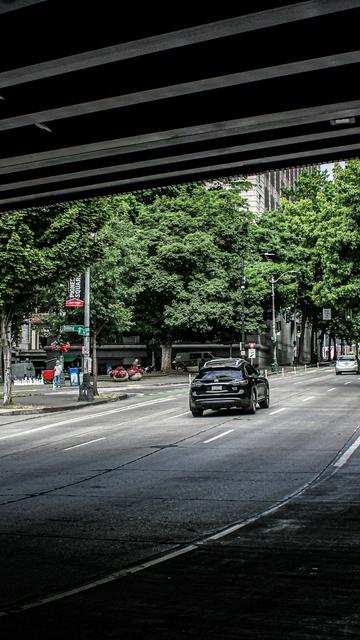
(242, 319)
(242, 288)
(274, 365)
(295, 339)
(85, 389)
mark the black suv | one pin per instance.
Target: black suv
(225, 383)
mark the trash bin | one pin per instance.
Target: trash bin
(74, 376)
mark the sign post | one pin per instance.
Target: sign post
(85, 389)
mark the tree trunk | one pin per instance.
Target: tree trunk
(301, 340)
(94, 363)
(5, 333)
(166, 348)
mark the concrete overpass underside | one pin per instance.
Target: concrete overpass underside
(105, 98)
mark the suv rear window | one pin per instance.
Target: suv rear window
(341, 358)
(220, 373)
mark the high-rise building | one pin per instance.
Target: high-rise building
(268, 188)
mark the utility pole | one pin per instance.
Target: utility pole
(85, 389)
(242, 289)
(274, 364)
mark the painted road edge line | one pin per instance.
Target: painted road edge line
(347, 454)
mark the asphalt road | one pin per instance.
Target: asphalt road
(83, 497)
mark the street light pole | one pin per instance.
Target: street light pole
(242, 288)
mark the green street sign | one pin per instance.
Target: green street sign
(82, 331)
(74, 327)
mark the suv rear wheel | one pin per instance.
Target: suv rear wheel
(253, 402)
(265, 403)
(197, 413)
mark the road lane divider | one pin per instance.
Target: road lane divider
(308, 398)
(221, 435)
(83, 444)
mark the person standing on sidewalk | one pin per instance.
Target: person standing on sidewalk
(57, 374)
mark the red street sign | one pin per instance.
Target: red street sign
(252, 345)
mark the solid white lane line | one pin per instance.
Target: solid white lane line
(332, 389)
(345, 456)
(178, 415)
(277, 411)
(83, 444)
(308, 398)
(221, 435)
(88, 417)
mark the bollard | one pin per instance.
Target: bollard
(305, 368)
(282, 372)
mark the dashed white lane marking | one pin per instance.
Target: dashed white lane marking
(308, 398)
(83, 444)
(221, 435)
(347, 382)
(277, 411)
(332, 389)
(345, 456)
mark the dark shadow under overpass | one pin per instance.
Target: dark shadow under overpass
(95, 102)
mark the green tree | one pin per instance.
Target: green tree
(191, 243)
(316, 232)
(41, 248)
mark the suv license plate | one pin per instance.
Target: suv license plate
(216, 387)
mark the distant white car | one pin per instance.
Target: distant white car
(347, 364)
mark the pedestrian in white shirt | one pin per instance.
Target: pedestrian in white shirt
(57, 374)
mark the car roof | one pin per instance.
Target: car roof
(223, 362)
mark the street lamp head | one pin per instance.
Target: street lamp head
(283, 274)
